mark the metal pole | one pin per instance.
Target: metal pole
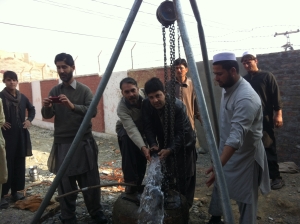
(222, 187)
(90, 112)
(99, 61)
(206, 67)
(132, 57)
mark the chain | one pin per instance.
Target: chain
(166, 89)
(172, 98)
(164, 166)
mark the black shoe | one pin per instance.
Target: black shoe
(215, 220)
(17, 196)
(277, 184)
(68, 221)
(99, 217)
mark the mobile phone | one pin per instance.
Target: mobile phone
(55, 99)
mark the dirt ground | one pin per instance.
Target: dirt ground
(281, 206)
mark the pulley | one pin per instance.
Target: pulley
(165, 13)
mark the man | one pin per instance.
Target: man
(264, 83)
(182, 147)
(130, 134)
(16, 135)
(241, 150)
(184, 90)
(69, 109)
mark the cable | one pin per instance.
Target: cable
(88, 11)
(68, 32)
(91, 12)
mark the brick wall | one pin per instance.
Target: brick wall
(143, 75)
(286, 68)
(92, 81)
(26, 89)
(46, 86)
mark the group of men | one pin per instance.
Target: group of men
(142, 126)
(250, 109)
(71, 102)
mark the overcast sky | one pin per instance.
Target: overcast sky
(84, 28)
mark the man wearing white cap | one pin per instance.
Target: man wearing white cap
(241, 149)
(264, 83)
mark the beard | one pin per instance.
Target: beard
(66, 77)
(229, 82)
(133, 100)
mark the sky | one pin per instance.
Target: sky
(89, 29)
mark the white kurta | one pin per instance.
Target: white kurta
(241, 128)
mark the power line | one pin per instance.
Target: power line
(91, 12)
(68, 32)
(88, 11)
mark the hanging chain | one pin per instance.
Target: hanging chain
(172, 98)
(164, 166)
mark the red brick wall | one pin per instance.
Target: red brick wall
(26, 89)
(143, 75)
(46, 86)
(92, 81)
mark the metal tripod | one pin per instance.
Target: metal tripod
(226, 205)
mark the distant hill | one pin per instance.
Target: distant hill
(27, 70)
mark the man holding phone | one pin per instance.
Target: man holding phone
(69, 102)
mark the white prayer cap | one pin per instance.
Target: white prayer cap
(225, 56)
(249, 53)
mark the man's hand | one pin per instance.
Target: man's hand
(47, 102)
(6, 126)
(65, 101)
(211, 179)
(26, 124)
(146, 152)
(164, 153)
(277, 118)
(154, 148)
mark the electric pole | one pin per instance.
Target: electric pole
(288, 45)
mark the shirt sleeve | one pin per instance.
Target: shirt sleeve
(30, 109)
(148, 123)
(48, 112)
(129, 125)
(82, 109)
(244, 113)
(2, 115)
(274, 93)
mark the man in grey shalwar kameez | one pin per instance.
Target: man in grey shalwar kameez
(68, 109)
(241, 150)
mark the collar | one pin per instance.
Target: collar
(129, 106)
(184, 84)
(232, 88)
(254, 73)
(73, 84)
